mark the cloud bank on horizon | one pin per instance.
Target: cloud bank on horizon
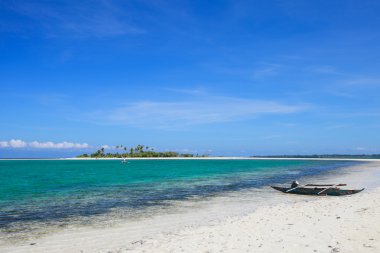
(16, 143)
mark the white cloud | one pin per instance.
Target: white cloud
(48, 145)
(201, 111)
(267, 70)
(363, 82)
(106, 147)
(60, 145)
(269, 137)
(190, 91)
(103, 19)
(17, 143)
(337, 126)
(4, 144)
(324, 69)
(264, 72)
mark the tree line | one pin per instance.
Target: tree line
(138, 151)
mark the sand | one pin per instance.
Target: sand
(349, 224)
(300, 224)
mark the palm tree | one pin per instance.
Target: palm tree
(139, 148)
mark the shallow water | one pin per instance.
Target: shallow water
(52, 194)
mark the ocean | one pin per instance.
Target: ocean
(40, 194)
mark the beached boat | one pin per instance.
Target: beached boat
(317, 189)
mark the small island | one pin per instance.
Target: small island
(138, 151)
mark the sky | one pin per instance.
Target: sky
(207, 77)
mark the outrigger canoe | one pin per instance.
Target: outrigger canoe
(317, 189)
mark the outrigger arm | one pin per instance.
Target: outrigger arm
(327, 188)
(296, 187)
(331, 186)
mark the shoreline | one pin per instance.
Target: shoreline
(191, 158)
(204, 229)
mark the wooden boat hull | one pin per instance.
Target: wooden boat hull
(316, 190)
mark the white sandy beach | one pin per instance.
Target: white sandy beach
(350, 224)
(296, 224)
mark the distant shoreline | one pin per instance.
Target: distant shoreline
(195, 158)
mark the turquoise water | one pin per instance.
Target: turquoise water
(48, 191)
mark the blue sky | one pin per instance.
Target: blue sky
(216, 77)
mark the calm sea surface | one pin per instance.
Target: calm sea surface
(35, 193)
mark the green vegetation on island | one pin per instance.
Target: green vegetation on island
(138, 151)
